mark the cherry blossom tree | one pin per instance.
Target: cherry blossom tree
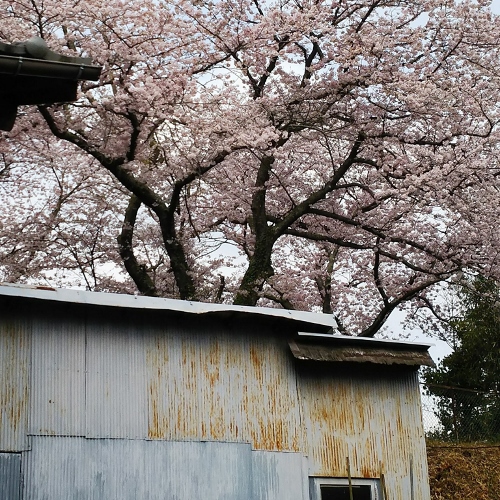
(337, 156)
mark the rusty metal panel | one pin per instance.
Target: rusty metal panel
(84, 469)
(116, 397)
(58, 374)
(15, 352)
(213, 382)
(278, 476)
(374, 419)
(355, 354)
(10, 476)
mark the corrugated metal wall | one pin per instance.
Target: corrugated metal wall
(223, 386)
(10, 476)
(373, 419)
(115, 469)
(58, 374)
(15, 355)
(123, 384)
(116, 383)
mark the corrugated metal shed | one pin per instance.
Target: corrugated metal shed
(142, 396)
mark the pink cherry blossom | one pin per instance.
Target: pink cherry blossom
(330, 156)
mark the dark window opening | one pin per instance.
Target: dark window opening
(331, 492)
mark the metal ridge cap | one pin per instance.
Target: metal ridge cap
(156, 303)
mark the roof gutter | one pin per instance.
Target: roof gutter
(23, 66)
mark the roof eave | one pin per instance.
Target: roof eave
(23, 66)
(300, 318)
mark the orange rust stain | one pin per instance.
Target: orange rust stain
(13, 378)
(180, 421)
(214, 353)
(367, 472)
(256, 359)
(154, 427)
(156, 364)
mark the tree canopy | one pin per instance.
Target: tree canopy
(467, 381)
(333, 155)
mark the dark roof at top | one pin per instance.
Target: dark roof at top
(31, 73)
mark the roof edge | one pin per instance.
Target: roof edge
(368, 342)
(44, 293)
(19, 66)
(376, 353)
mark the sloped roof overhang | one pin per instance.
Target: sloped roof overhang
(345, 349)
(30, 73)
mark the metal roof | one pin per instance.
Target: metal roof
(341, 348)
(350, 340)
(43, 293)
(306, 345)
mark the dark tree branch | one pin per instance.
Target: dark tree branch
(376, 276)
(302, 208)
(388, 308)
(308, 235)
(137, 272)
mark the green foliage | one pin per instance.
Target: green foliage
(471, 413)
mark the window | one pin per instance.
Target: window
(323, 488)
(331, 492)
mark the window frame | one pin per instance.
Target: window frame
(315, 484)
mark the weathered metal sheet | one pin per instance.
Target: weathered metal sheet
(323, 321)
(86, 469)
(348, 354)
(221, 385)
(58, 374)
(10, 476)
(374, 419)
(116, 388)
(278, 476)
(15, 338)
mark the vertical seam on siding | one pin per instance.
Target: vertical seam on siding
(303, 435)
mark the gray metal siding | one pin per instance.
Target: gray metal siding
(279, 476)
(15, 335)
(153, 380)
(58, 375)
(88, 469)
(10, 476)
(116, 388)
